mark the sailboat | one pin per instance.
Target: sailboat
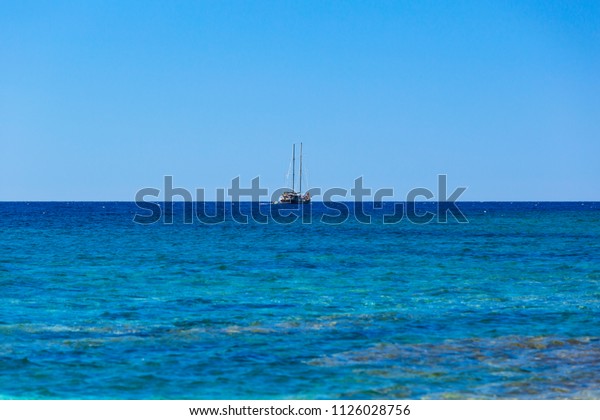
(293, 197)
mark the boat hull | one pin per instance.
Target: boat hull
(293, 197)
(293, 202)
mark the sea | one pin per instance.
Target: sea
(503, 305)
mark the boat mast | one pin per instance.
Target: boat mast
(300, 190)
(293, 166)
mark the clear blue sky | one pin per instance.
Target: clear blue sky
(101, 98)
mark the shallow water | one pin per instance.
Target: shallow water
(96, 306)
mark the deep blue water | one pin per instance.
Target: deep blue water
(93, 305)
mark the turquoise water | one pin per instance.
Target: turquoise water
(93, 305)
